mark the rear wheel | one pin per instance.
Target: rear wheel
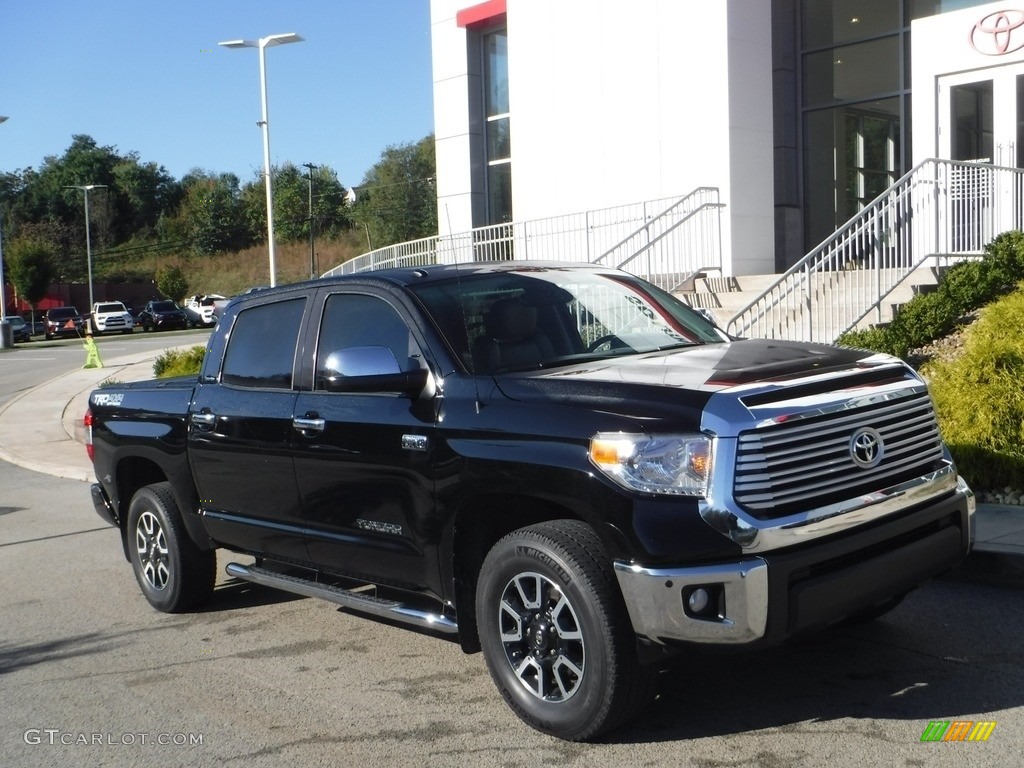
(555, 633)
(173, 573)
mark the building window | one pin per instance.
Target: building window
(855, 103)
(498, 138)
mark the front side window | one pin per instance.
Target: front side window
(357, 321)
(261, 348)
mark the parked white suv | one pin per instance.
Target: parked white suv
(200, 309)
(111, 317)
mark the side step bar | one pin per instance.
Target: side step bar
(388, 609)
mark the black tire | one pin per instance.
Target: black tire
(173, 573)
(555, 633)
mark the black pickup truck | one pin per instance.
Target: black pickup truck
(562, 466)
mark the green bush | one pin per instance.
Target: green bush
(175, 362)
(965, 287)
(979, 397)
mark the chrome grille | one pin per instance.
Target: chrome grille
(782, 468)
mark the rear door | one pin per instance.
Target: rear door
(364, 465)
(240, 433)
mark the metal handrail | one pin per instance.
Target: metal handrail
(938, 212)
(573, 237)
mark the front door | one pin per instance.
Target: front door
(981, 119)
(364, 467)
(981, 116)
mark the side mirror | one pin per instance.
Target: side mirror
(370, 369)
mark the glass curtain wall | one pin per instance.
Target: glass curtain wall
(855, 103)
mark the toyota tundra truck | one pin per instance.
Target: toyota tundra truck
(563, 467)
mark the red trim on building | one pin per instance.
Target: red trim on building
(476, 14)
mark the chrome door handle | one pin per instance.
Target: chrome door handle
(308, 424)
(203, 420)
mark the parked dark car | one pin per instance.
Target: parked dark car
(164, 315)
(20, 330)
(63, 322)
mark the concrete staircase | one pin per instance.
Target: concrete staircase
(725, 297)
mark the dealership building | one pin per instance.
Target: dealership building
(798, 113)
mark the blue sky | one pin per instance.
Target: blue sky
(148, 76)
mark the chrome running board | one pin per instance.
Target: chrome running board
(388, 609)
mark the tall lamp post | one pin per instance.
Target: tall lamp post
(88, 244)
(6, 337)
(312, 267)
(262, 44)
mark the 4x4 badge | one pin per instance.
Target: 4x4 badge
(866, 448)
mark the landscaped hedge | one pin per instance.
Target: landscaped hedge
(965, 287)
(174, 362)
(979, 397)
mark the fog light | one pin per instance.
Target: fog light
(698, 600)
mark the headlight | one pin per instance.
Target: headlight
(669, 464)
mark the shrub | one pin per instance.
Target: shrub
(979, 397)
(176, 362)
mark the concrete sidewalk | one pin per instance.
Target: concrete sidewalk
(42, 430)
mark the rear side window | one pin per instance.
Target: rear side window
(261, 348)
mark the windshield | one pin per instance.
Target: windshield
(110, 308)
(544, 317)
(164, 306)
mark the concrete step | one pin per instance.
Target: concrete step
(726, 297)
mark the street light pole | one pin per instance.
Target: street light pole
(6, 339)
(262, 44)
(312, 268)
(88, 243)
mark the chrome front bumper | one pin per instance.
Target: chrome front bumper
(656, 598)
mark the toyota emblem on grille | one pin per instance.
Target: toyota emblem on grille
(866, 448)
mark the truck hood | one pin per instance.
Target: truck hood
(701, 370)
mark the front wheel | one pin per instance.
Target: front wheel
(555, 633)
(173, 573)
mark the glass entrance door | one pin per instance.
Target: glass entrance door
(981, 116)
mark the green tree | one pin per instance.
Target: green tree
(211, 212)
(171, 282)
(31, 268)
(134, 199)
(397, 200)
(291, 204)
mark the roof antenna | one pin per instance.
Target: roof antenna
(465, 316)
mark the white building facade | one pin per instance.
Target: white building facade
(799, 112)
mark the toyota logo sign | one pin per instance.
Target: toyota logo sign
(866, 448)
(998, 33)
